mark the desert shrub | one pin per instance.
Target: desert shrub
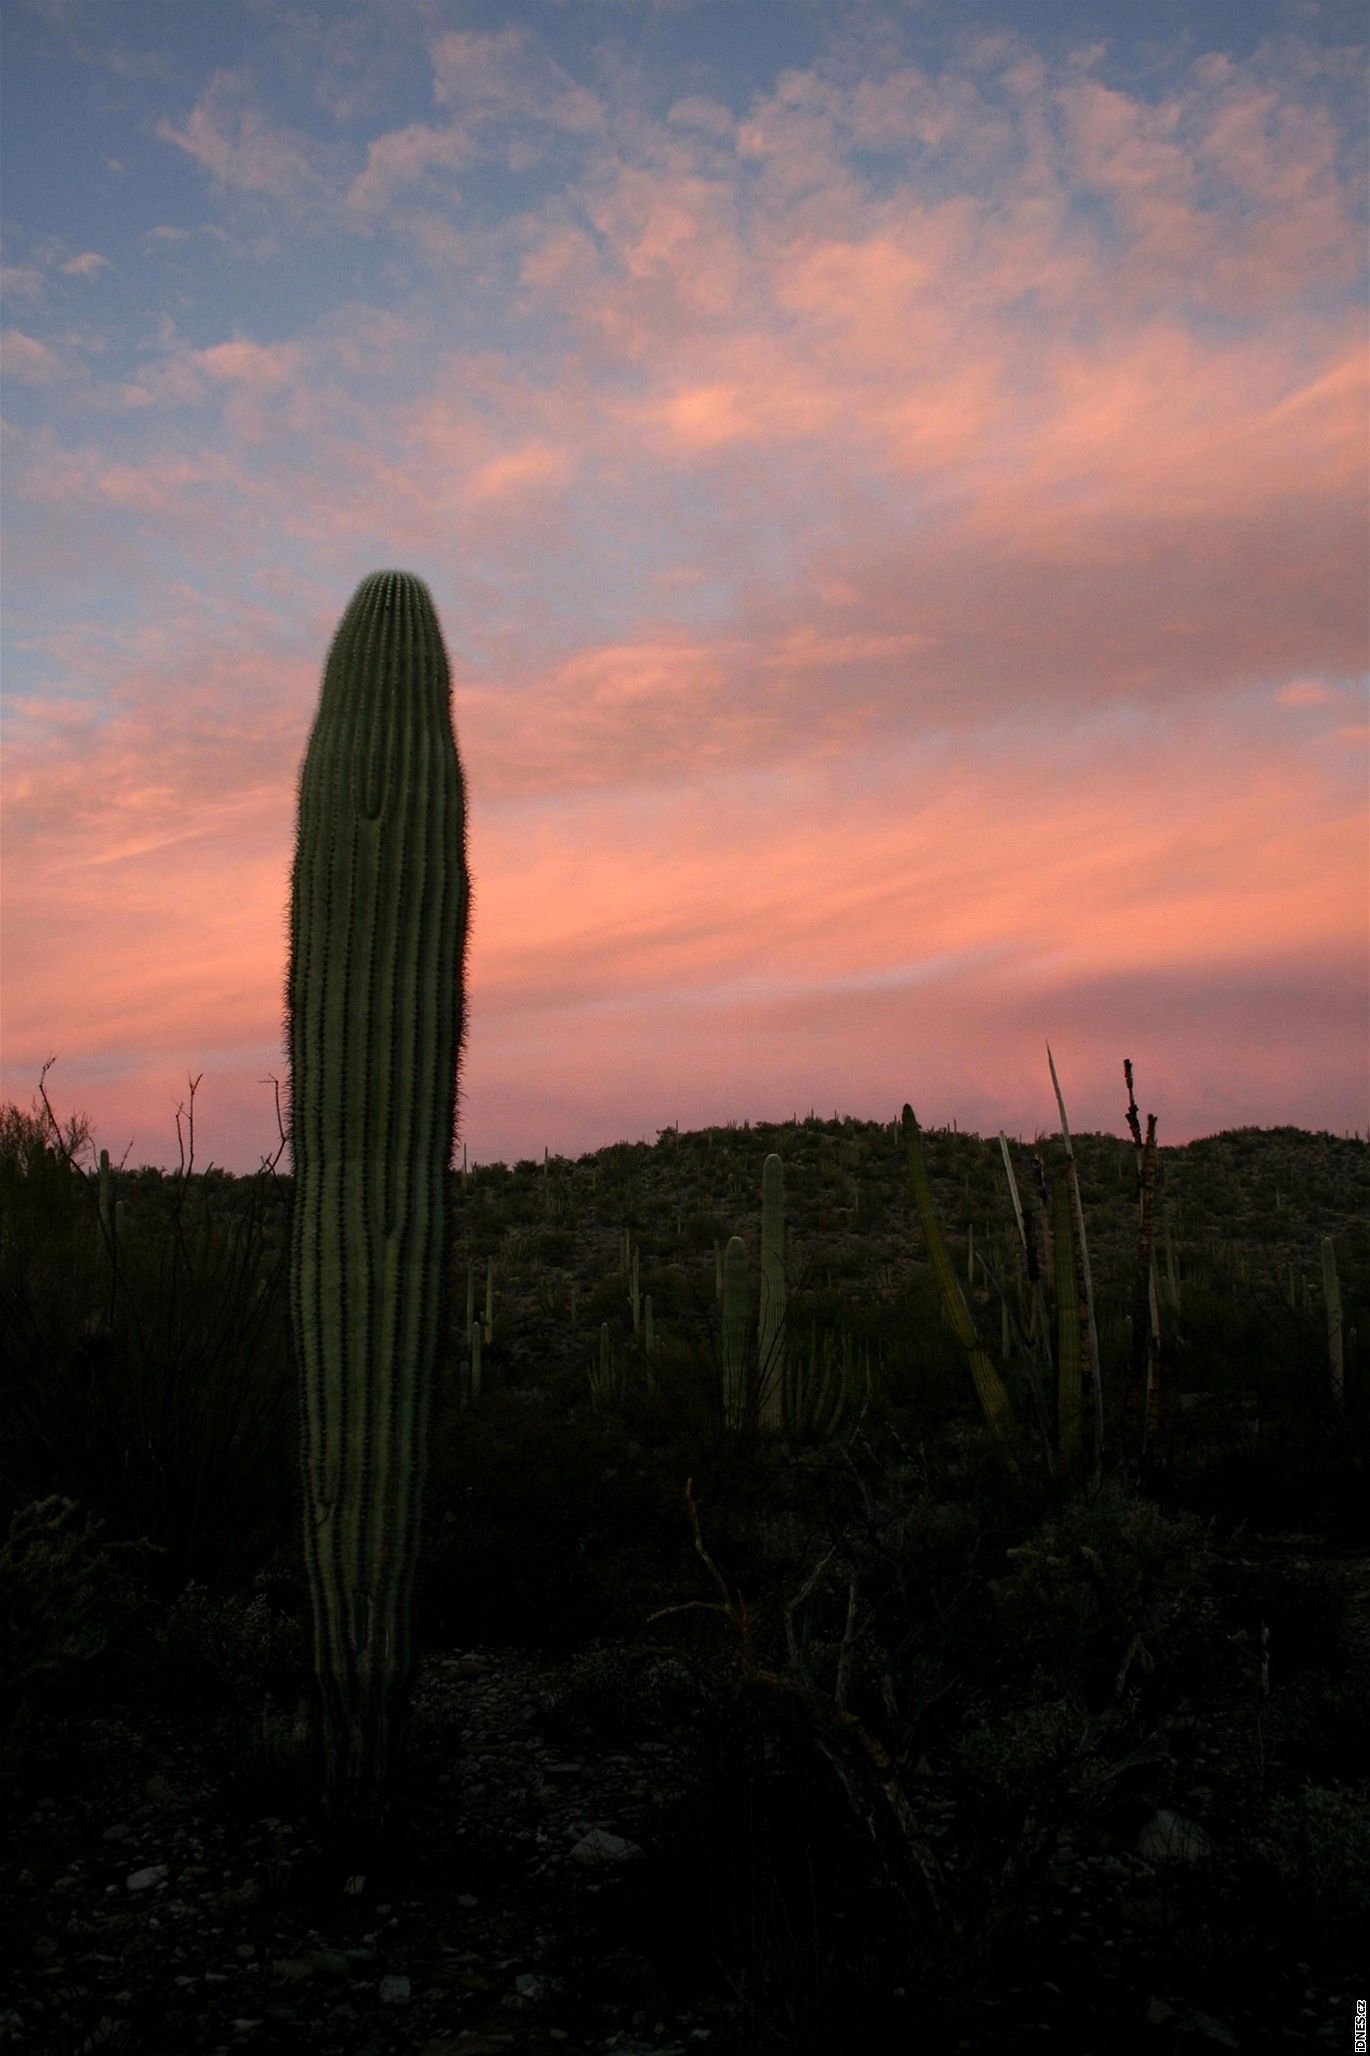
(1024, 1776)
(761, 1859)
(552, 1295)
(795, 1834)
(1300, 1457)
(147, 1373)
(239, 1643)
(685, 1405)
(701, 1229)
(520, 1210)
(1317, 1843)
(65, 1597)
(827, 1266)
(606, 1300)
(542, 1529)
(1319, 1720)
(1303, 1610)
(52, 1300)
(1040, 1765)
(245, 1665)
(925, 1367)
(615, 1693)
(1016, 1751)
(1096, 1596)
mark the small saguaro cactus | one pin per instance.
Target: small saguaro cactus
(1331, 1292)
(1089, 1332)
(106, 1198)
(375, 1000)
(736, 1341)
(771, 1317)
(989, 1386)
(1069, 1350)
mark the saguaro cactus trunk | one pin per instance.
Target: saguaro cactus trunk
(376, 1018)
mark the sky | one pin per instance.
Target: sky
(893, 479)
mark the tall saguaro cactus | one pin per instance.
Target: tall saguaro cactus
(376, 1018)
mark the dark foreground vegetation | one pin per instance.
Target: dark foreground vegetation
(838, 1740)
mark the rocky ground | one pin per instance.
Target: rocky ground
(149, 1908)
(147, 1915)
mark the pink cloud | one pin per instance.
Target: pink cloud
(260, 367)
(22, 282)
(1307, 692)
(1125, 146)
(509, 74)
(150, 488)
(402, 158)
(1154, 425)
(759, 409)
(887, 629)
(29, 360)
(1279, 221)
(674, 234)
(235, 144)
(697, 111)
(847, 868)
(252, 159)
(89, 264)
(907, 917)
(529, 467)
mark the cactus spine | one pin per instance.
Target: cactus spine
(375, 1001)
